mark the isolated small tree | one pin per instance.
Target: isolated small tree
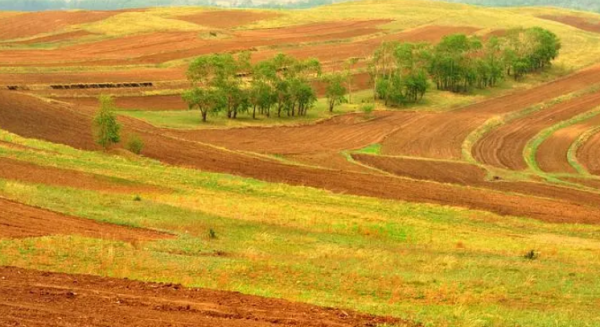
(335, 90)
(106, 127)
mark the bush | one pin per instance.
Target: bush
(367, 108)
(531, 255)
(135, 144)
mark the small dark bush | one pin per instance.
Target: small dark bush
(137, 198)
(135, 144)
(531, 255)
(212, 234)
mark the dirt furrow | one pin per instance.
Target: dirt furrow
(53, 299)
(441, 135)
(503, 147)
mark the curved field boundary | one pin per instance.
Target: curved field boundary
(84, 300)
(461, 173)
(503, 147)
(577, 22)
(441, 136)
(23, 115)
(17, 170)
(553, 154)
(588, 154)
(575, 147)
(530, 151)
(21, 221)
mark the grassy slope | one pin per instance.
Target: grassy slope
(439, 265)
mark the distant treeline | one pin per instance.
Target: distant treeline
(589, 5)
(41, 5)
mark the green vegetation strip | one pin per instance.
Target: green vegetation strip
(574, 148)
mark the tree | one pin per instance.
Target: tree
(335, 90)
(106, 127)
(349, 65)
(207, 100)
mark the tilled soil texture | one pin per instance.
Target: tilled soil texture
(441, 135)
(552, 154)
(470, 175)
(33, 298)
(226, 19)
(589, 154)
(578, 22)
(504, 146)
(150, 102)
(11, 169)
(75, 124)
(344, 132)
(159, 47)
(34, 23)
(20, 221)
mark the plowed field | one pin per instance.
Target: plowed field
(33, 298)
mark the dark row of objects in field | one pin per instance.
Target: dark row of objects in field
(85, 86)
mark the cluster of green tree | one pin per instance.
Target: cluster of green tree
(231, 84)
(40, 5)
(401, 71)
(589, 5)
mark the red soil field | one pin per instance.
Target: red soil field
(75, 124)
(589, 154)
(53, 299)
(19, 221)
(470, 175)
(330, 160)
(578, 22)
(339, 133)
(68, 36)
(34, 23)
(11, 169)
(441, 135)
(226, 18)
(125, 75)
(552, 154)
(503, 147)
(439, 171)
(161, 47)
(151, 102)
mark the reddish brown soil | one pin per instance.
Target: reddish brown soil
(19, 221)
(33, 298)
(56, 37)
(154, 102)
(331, 160)
(227, 18)
(552, 154)
(470, 175)
(578, 22)
(161, 47)
(503, 147)
(75, 124)
(26, 172)
(31, 24)
(125, 75)
(364, 48)
(589, 154)
(439, 171)
(441, 135)
(336, 134)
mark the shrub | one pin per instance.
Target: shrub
(135, 144)
(137, 198)
(531, 255)
(212, 234)
(367, 108)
